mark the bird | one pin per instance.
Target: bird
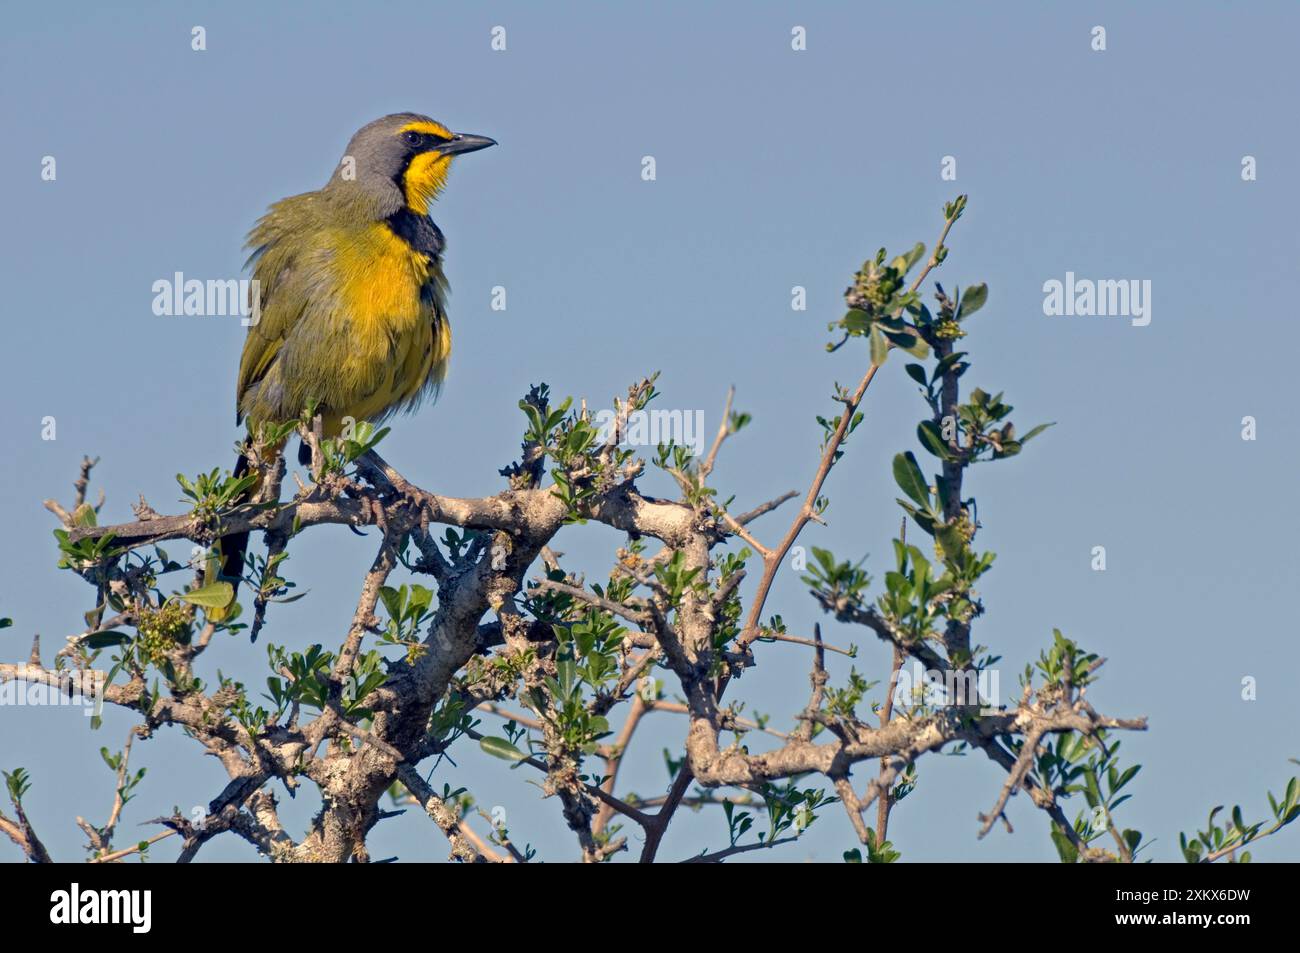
(350, 312)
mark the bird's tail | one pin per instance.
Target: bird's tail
(235, 546)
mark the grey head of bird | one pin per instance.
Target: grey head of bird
(400, 161)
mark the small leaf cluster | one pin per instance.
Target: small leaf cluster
(338, 453)
(1063, 662)
(1077, 763)
(837, 583)
(213, 493)
(877, 300)
(831, 426)
(271, 586)
(843, 702)
(877, 852)
(1237, 833)
(676, 578)
(91, 551)
(577, 727)
(684, 467)
(728, 613)
(17, 782)
(408, 611)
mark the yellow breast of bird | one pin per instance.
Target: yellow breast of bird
(390, 295)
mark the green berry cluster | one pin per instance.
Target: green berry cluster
(875, 285)
(948, 330)
(161, 630)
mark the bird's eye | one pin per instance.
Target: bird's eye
(412, 137)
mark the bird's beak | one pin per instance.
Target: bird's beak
(465, 143)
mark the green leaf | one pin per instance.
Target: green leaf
(1036, 431)
(215, 595)
(931, 437)
(102, 640)
(500, 748)
(917, 373)
(910, 258)
(1069, 853)
(856, 322)
(879, 346)
(946, 364)
(567, 670)
(909, 342)
(1091, 791)
(392, 599)
(907, 473)
(924, 518)
(1125, 778)
(972, 300)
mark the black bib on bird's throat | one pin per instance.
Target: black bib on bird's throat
(418, 231)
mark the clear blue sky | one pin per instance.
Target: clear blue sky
(775, 169)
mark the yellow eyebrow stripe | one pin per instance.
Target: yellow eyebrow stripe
(430, 127)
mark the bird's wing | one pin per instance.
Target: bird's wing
(279, 242)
